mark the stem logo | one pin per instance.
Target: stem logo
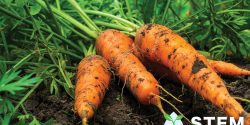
(173, 119)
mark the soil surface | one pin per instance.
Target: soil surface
(122, 108)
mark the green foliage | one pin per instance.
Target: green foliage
(12, 87)
(214, 26)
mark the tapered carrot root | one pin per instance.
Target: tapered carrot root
(93, 79)
(160, 44)
(225, 68)
(116, 48)
(161, 71)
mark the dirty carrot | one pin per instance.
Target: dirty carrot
(93, 79)
(225, 68)
(160, 44)
(155, 68)
(116, 48)
(161, 71)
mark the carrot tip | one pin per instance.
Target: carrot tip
(84, 121)
(157, 103)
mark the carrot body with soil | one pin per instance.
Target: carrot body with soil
(160, 44)
(161, 71)
(220, 67)
(93, 79)
(116, 48)
(157, 69)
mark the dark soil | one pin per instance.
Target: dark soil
(118, 109)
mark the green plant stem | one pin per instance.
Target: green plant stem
(67, 17)
(75, 31)
(128, 8)
(7, 12)
(242, 99)
(20, 63)
(53, 18)
(137, 21)
(223, 2)
(67, 80)
(83, 15)
(72, 54)
(24, 110)
(111, 25)
(184, 27)
(36, 64)
(129, 33)
(181, 21)
(165, 11)
(134, 26)
(233, 10)
(204, 53)
(5, 44)
(58, 4)
(25, 97)
(59, 8)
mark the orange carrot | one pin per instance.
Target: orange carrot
(225, 68)
(93, 79)
(156, 68)
(116, 48)
(160, 44)
(161, 71)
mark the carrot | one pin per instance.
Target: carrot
(225, 68)
(116, 48)
(160, 44)
(156, 68)
(93, 79)
(161, 71)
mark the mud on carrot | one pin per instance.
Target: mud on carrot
(116, 48)
(93, 79)
(159, 44)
